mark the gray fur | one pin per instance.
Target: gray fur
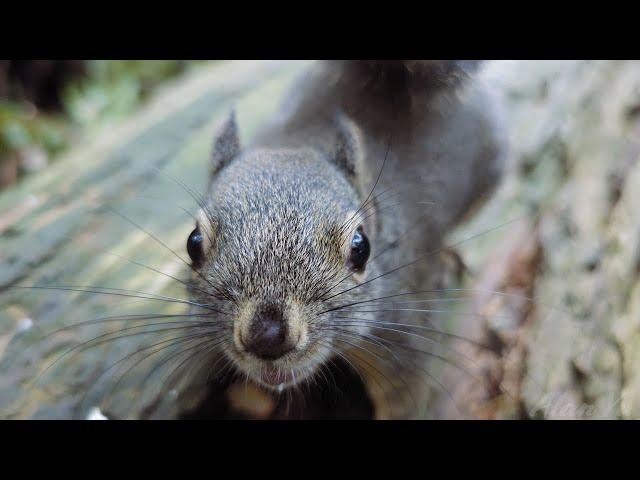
(280, 210)
(349, 148)
(226, 144)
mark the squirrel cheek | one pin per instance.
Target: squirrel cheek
(297, 324)
(242, 324)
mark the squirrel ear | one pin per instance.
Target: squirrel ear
(349, 153)
(226, 144)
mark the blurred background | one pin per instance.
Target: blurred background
(552, 260)
(46, 105)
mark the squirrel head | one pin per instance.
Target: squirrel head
(281, 243)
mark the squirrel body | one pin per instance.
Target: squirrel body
(373, 160)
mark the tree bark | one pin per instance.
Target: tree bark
(553, 258)
(556, 293)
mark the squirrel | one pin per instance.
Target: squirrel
(308, 234)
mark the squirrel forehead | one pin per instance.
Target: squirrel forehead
(281, 203)
(284, 179)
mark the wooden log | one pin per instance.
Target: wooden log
(554, 257)
(63, 227)
(564, 339)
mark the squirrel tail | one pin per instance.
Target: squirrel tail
(373, 90)
(411, 76)
(379, 81)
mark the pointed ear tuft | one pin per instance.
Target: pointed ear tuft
(226, 144)
(349, 153)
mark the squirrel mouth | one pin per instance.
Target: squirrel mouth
(276, 377)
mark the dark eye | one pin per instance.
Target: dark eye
(360, 250)
(194, 247)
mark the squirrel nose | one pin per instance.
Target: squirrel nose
(268, 334)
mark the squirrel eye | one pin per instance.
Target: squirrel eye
(194, 246)
(360, 250)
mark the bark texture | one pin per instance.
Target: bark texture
(556, 291)
(553, 258)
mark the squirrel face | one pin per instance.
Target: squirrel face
(280, 235)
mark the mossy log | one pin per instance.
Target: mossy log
(553, 259)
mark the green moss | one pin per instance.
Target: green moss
(110, 91)
(21, 128)
(113, 89)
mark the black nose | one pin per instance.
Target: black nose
(268, 337)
